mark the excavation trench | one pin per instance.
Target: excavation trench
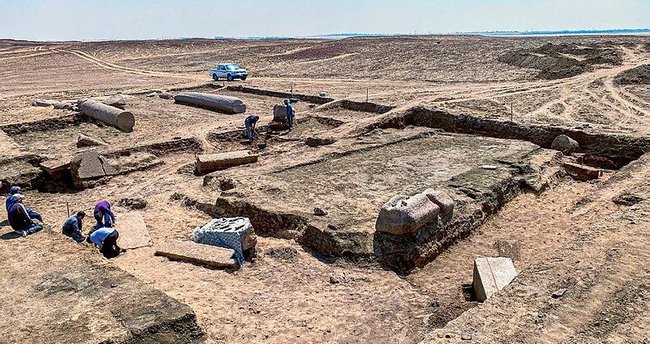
(620, 150)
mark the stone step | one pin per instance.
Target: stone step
(198, 254)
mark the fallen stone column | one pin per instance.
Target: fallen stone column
(206, 163)
(225, 104)
(120, 119)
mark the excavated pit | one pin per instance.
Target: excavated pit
(351, 187)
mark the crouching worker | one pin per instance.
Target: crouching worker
(72, 227)
(105, 239)
(250, 122)
(104, 215)
(20, 220)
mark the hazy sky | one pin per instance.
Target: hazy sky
(134, 19)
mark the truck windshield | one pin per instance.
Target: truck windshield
(232, 67)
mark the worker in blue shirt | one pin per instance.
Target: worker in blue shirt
(20, 220)
(290, 112)
(72, 226)
(250, 122)
(105, 239)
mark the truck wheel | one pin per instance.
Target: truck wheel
(215, 77)
(243, 79)
(229, 77)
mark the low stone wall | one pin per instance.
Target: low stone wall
(620, 149)
(262, 92)
(43, 125)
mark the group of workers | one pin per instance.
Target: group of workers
(251, 121)
(103, 234)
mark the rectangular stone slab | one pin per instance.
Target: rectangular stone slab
(206, 163)
(492, 275)
(133, 230)
(198, 254)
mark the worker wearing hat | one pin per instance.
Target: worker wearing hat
(20, 219)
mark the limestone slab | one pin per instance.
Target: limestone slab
(206, 163)
(133, 230)
(198, 254)
(492, 274)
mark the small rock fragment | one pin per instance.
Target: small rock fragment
(319, 212)
(319, 141)
(558, 293)
(116, 100)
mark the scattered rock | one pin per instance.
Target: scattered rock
(627, 199)
(558, 293)
(404, 215)
(283, 253)
(53, 103)
(442, 200)
(165, 95)
(116, 100)
(133, 203)
(319, 141)
(491, 275)
(334, 280)
(565, 144)
(489, 167)
(87, 141)
(508, 249)
(434, 304)
(466, 336)
(319, 212)
(152, 94)
(42, 103)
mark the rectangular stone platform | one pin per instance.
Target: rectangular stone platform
(57, 291)
(198, 254)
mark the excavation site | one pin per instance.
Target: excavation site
(496, 191)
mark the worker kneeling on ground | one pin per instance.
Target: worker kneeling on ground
(20, 220)
(72, 227)
(104, 214)
(105, 239)
(250, 122)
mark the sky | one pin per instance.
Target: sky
(159, 19)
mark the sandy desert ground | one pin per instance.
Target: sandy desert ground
(569, 234)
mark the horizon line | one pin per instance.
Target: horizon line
(582, 32)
